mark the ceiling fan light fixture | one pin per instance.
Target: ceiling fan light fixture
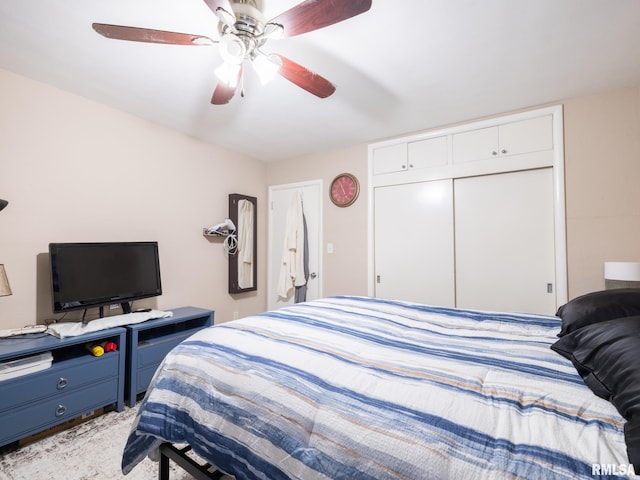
(272, 30)
(229, 73)
(227, 18)
(266, 66)
(232, 49)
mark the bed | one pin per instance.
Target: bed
(353, 387)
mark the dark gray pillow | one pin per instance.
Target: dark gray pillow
(598, 307)
(607, 357)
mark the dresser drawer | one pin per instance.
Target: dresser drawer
(62, 377)
(151, 354)
(144, 377)
(37, 416)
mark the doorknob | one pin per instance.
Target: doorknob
(313, 275)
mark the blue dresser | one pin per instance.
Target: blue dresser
(149, 342)
(75, 384)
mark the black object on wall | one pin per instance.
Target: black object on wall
(243, 268)
(3, 203)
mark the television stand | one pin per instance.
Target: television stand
(126, 308)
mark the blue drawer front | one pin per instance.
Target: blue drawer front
(153, 353)
(60, 378)
(144, 378)
(35, 417)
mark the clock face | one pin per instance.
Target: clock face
(344, 190)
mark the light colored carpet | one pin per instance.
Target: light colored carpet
(90, 451)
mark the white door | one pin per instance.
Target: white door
(280, 198)
(413, 246)
(504, 242)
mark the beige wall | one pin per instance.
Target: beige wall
(602, 166)
(74, 170)
(345, 270)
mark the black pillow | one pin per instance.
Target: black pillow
(632, 439)
(607, 357)
(598, 307)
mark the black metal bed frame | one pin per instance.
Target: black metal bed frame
(189, 465)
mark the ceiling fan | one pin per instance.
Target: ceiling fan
(243, 32)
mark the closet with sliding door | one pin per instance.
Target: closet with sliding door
(471, 216)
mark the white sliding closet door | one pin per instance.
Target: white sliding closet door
(413, 246)
(504, 242)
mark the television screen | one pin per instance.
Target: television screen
(86, 275)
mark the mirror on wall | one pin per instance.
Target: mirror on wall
(243, 266)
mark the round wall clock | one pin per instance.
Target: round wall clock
(344, 190)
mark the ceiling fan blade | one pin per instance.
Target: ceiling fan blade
(305, 78)
(314, 14)
(215, 4)
(136, 34)
(224, 93)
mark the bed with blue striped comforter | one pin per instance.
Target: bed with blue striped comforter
(365, 388)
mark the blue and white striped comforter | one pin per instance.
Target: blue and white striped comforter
(362, 388)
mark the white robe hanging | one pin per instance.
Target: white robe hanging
(292, 267)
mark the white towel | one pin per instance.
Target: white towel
(73, 329)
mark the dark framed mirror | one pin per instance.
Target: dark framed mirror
(243, 265)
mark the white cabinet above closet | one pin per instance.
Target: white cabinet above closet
(390, 158)
(513, 138)
(517, 142)
(431, 152)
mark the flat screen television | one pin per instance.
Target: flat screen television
(88, 275)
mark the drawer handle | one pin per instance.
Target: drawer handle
(60, 411)
(62, 382)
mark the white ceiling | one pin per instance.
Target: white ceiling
(401, 67)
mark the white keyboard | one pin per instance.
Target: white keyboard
(12, 332)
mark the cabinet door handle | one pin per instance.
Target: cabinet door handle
(62, 382)
(494, 153)
(404, 166)
(503, 151)
(60, 411)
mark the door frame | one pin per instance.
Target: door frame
(271, 288)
